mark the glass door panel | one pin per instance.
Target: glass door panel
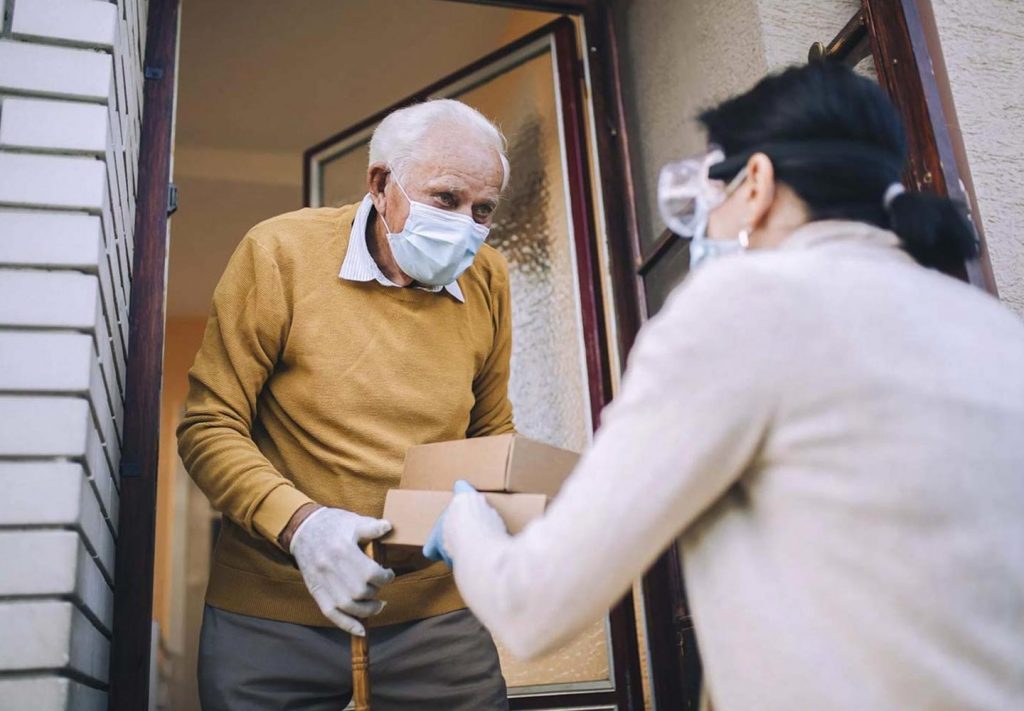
(533, 230)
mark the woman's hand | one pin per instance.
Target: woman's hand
(434, 549)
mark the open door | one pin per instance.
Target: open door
(561, 372)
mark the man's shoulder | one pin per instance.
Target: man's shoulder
(282, 234)
(490, 265)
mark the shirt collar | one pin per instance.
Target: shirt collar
(359, 265)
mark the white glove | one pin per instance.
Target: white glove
(341, 578)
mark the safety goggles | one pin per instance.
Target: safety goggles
(688, 191)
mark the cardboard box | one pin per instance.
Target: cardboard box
(504, 463)
(413, 513)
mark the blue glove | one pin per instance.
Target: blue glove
(434, 548)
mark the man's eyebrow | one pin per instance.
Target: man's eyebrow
(459, 190)
(446, 187)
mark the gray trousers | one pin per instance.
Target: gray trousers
(448, 663)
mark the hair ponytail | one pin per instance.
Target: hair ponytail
(933, 230)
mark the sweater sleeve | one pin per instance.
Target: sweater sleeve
(492, 410)
(244, 337)
(694, 408)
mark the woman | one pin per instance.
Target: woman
(832, 428)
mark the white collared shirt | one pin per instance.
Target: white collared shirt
(360, 266)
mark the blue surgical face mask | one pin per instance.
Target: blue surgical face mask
(435, 246)
(704, 250)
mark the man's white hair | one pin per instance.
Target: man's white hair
(396, 139)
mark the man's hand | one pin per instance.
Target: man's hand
(339, 576)
(285, 539)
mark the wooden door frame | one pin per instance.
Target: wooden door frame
(136, 541)
(904, 41)
(133, 595)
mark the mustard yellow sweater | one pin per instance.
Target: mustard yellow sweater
(309, 387)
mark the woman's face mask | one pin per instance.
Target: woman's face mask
(686, 198)
(436, 246)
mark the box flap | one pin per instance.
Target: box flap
(482, 461)
(537, 467)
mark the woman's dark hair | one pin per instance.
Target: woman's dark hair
(838, 142)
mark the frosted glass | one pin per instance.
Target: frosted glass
(866, 67)
(532, 229)
(548, 388)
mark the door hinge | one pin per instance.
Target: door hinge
(172, 199)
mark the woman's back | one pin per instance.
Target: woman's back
(833, 428)
(873, 554)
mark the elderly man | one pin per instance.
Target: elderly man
(308, 389)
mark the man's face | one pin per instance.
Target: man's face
(451, 172)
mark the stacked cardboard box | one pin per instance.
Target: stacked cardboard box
(518, 476)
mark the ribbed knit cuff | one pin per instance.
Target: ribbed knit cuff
(276, 510)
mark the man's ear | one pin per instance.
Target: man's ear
(760, 188)
(376, 180)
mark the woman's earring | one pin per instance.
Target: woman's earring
(744, 238)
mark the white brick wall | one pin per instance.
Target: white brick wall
(56, 494)
(54, 71)
(50, 692)
(71, 90)
(48, 125)
(51, 634)
(51, 240)
(89, 23)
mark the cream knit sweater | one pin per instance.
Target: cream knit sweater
(837, 437)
